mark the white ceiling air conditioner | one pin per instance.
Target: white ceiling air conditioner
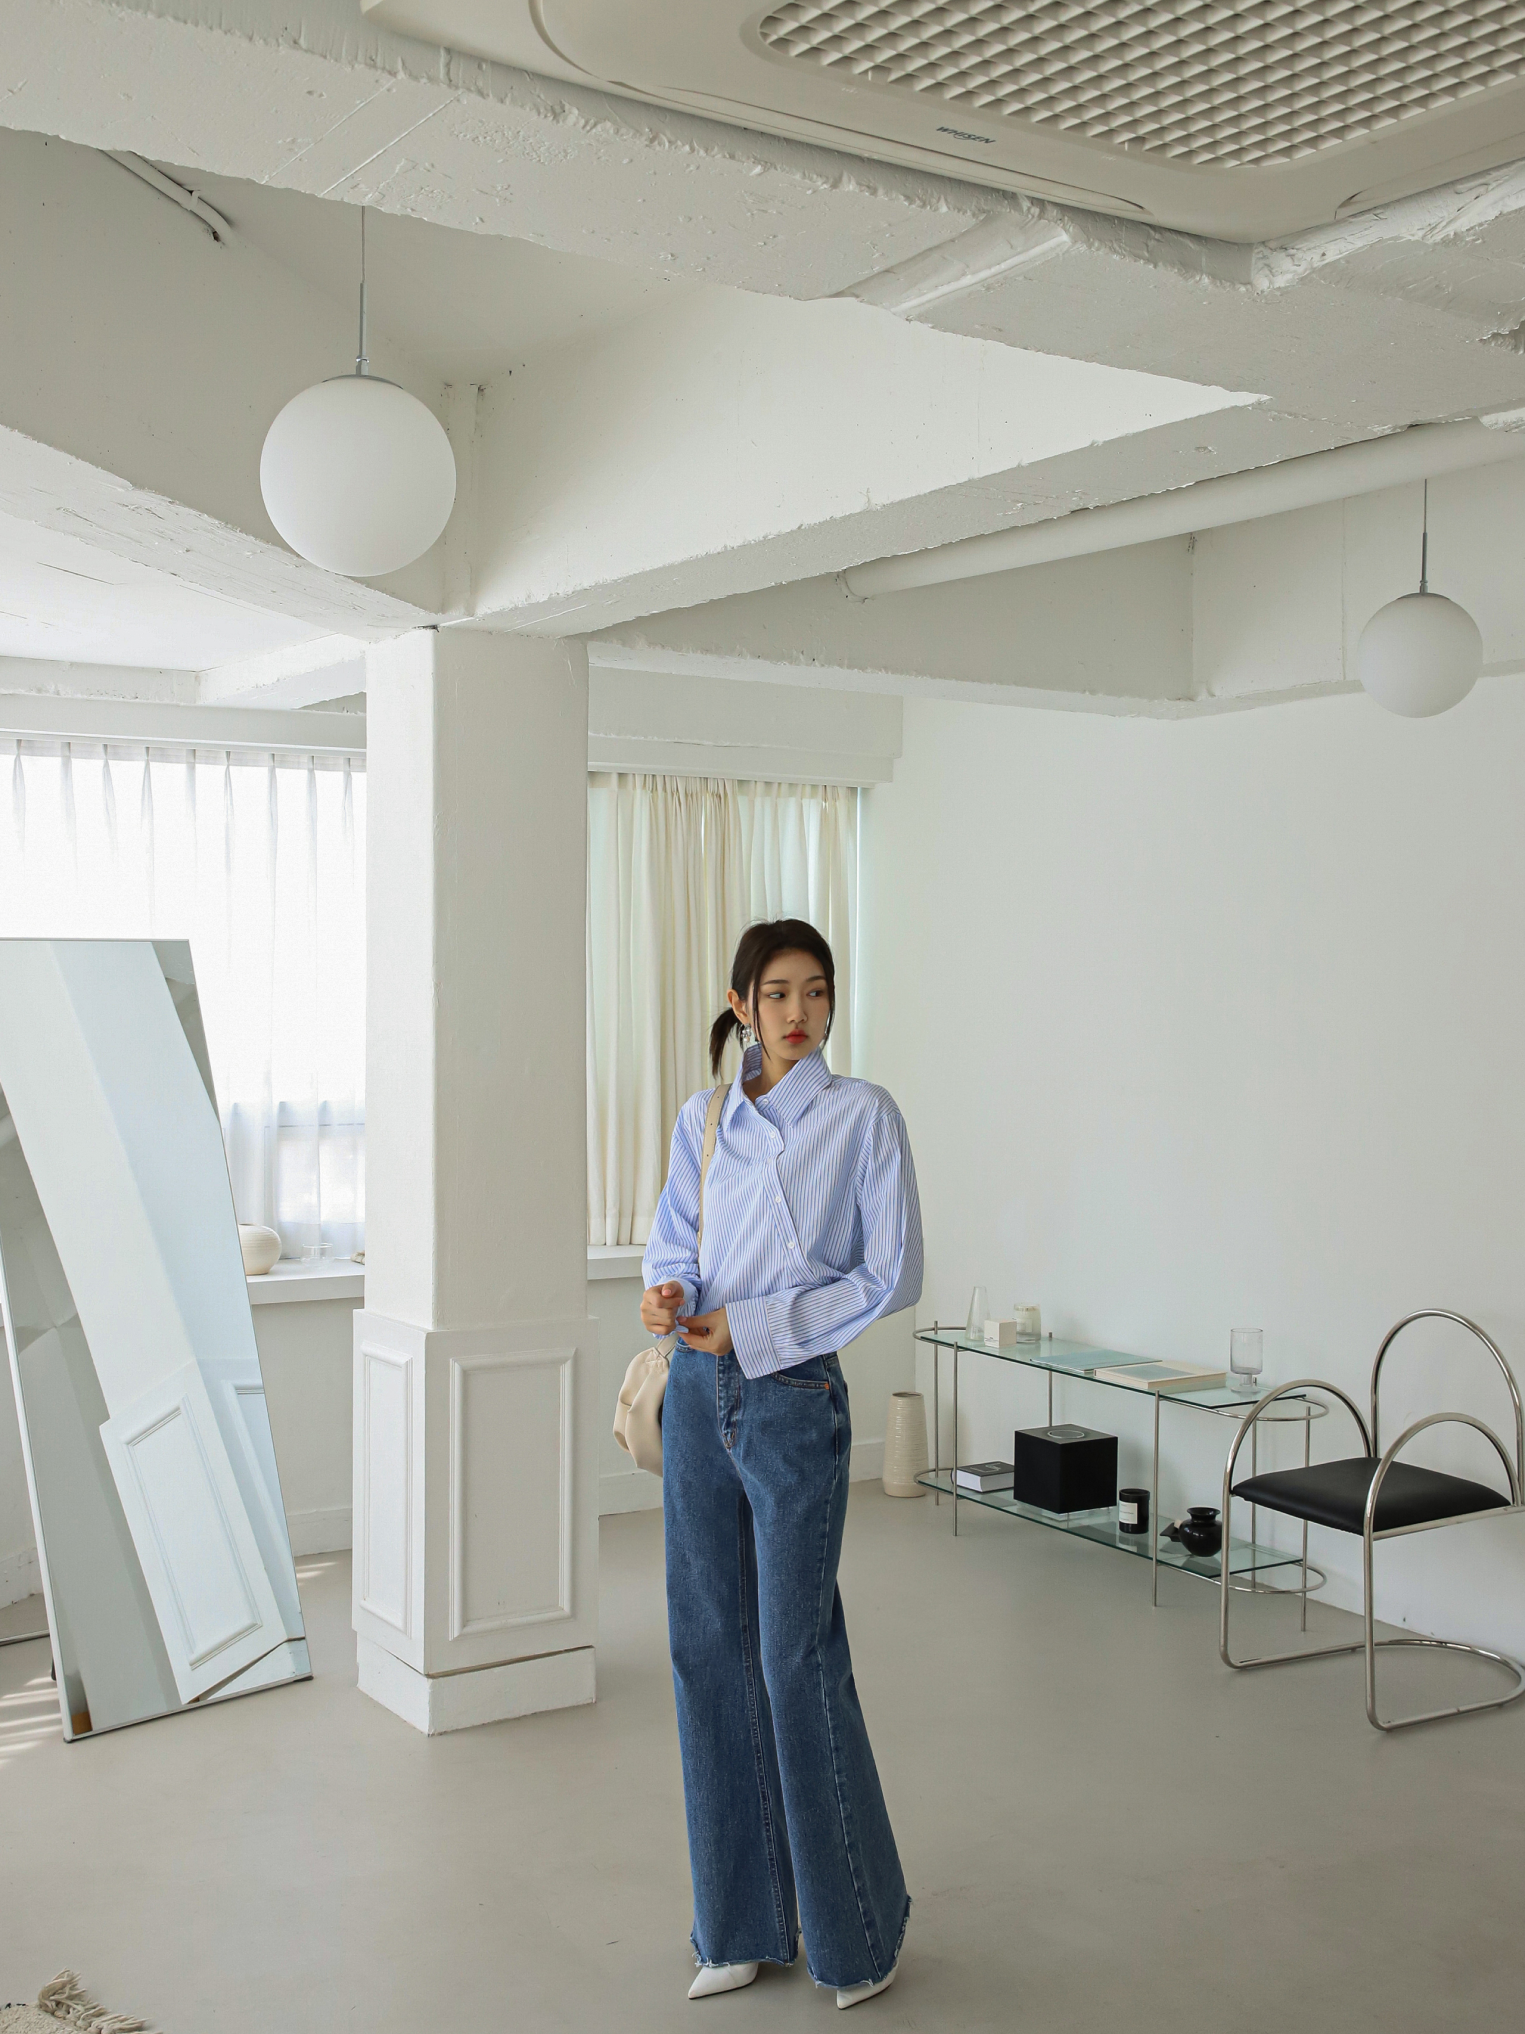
(1245, 122)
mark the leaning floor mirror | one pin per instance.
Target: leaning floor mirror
(162, 1540)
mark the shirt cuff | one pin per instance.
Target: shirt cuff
(752, 1338)
(689, 1304)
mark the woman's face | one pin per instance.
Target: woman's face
(793, 1007)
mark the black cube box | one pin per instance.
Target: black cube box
(1064, 1468)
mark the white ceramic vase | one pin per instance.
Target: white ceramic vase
(905, 1445)
(261, 1248)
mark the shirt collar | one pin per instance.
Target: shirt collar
(787, 1102)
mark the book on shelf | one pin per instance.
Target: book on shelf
(1159, 1376)
(984, 1476)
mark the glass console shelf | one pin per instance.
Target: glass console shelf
(1081, 1360)
(1245, 1558)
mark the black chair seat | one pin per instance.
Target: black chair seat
(1334, 1494)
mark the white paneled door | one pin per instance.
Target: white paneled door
(201, 1561)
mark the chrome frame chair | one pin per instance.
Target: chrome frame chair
(1370, 1644)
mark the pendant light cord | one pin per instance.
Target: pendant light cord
(362, 363)
(1424, 544)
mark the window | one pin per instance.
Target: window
(678, 867)
(258, 860)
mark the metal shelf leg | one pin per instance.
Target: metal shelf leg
(955, 1438)
(1307, 1458)
(1154, 1504)
(937, 1422)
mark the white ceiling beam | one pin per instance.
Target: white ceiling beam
(899, 684)
(1371, 323)
(1109, 634)
(1451, 211)
(1241, 615)
(160, 723)
(317, 98)
(736, 759)
(663, 720)
(726, 561)
(57, 678)
(906, 684)
(331, 667)
(42, 485)
(1421, 453)
(1391, 337)
(729, 443)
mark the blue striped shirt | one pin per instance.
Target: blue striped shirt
(812, 1228)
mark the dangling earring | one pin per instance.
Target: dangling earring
(748, 1038)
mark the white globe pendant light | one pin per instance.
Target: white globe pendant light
(358, 475)
(1421, 654)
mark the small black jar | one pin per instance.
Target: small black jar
(1133, 1511)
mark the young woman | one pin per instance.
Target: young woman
(811, 1231)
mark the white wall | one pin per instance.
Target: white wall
(875, 1365)
(1214, 1024)
(306, 1353)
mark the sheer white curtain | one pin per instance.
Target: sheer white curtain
(678, 867)
(259, 861)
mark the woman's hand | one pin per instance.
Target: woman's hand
(659, 1307)
(709, 1332)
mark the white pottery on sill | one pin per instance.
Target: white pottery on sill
(905, 1445)
(261, 1248)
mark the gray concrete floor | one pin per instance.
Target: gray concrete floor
(1102, 1828)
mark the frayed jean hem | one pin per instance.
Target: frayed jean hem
(721, 1962)
(846, 1984)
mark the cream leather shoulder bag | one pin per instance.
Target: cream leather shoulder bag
(638, 1416)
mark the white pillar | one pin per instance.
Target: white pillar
(476, 1381)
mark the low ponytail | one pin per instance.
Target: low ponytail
(758, 945)
(720, 1036)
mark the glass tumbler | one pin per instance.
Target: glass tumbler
(1246, 1358)
(979, 1313)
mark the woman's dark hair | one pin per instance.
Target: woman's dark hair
(758, 945)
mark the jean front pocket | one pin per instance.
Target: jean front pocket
(811, 1375)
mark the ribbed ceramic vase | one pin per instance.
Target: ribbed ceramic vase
(905, 1445)
(261, 1248)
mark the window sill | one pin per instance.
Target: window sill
(333, 1279)
(342, 1279)
(615, 1260)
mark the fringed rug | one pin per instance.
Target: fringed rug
(65, 2003)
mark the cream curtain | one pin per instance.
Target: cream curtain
(678, 867)
(259, 860)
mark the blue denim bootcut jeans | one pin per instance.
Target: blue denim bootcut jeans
(787, 1826)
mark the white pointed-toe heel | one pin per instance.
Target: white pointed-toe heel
(724, 1977)
(854, 1995)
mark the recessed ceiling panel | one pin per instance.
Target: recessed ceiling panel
(1213, 86)
(1246, 122)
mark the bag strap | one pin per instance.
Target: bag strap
(711, 1132)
